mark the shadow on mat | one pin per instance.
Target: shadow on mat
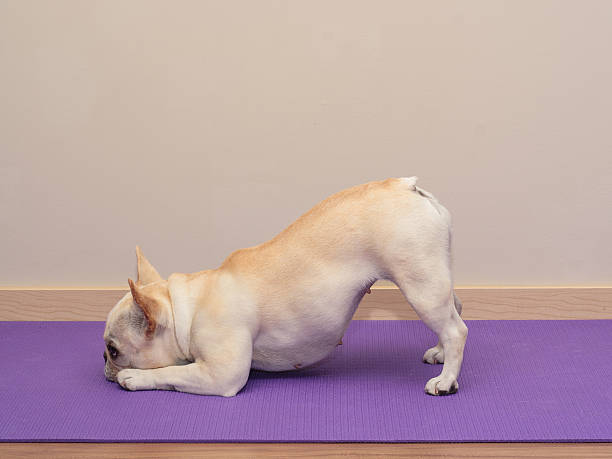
(394, 363)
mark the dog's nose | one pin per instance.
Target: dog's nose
(104, 356)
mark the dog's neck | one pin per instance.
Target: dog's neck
(182, 318)
(185, 298)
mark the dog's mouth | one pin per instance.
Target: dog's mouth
(112, 377)
(110, 373)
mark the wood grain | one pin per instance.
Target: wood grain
(560, 303)
(293, 450)
(383, 303)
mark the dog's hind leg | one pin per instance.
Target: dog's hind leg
(435, 354)
(418, 260)
(434, 302)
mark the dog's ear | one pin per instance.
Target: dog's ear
(146, 272)
(154, 301)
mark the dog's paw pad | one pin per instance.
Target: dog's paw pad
(453, 389)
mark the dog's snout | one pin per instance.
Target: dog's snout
(110, 374)
(104, 353)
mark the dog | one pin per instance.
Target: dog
(285, 304)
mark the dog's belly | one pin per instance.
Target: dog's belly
(290, 356)
(306, 335)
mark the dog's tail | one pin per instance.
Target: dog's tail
(411, 182)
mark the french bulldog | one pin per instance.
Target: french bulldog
(286, 303)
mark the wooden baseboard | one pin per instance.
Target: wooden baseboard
(497, 303)
(293, 450)
(382, 304)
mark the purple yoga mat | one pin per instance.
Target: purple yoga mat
(521, 381)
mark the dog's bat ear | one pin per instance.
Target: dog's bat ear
(150, 301)
(146, 272)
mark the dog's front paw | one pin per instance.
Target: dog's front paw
(133, 379)
(440, 386)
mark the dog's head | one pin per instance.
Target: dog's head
(139, 329)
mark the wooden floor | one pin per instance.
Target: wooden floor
(483, 303)
(293, 450)
(478, 303)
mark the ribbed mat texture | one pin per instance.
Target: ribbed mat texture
(521, 381)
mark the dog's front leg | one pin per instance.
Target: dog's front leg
(223, 372)
(195, 378)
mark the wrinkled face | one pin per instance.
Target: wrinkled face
(127, 344)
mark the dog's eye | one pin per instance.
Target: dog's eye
(112, 351)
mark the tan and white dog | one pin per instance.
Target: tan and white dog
(286, 303)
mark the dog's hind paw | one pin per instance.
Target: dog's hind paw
(438, 386)
(434, 355)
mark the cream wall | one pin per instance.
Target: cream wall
(195, 128)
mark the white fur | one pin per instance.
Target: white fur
(286, 304)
